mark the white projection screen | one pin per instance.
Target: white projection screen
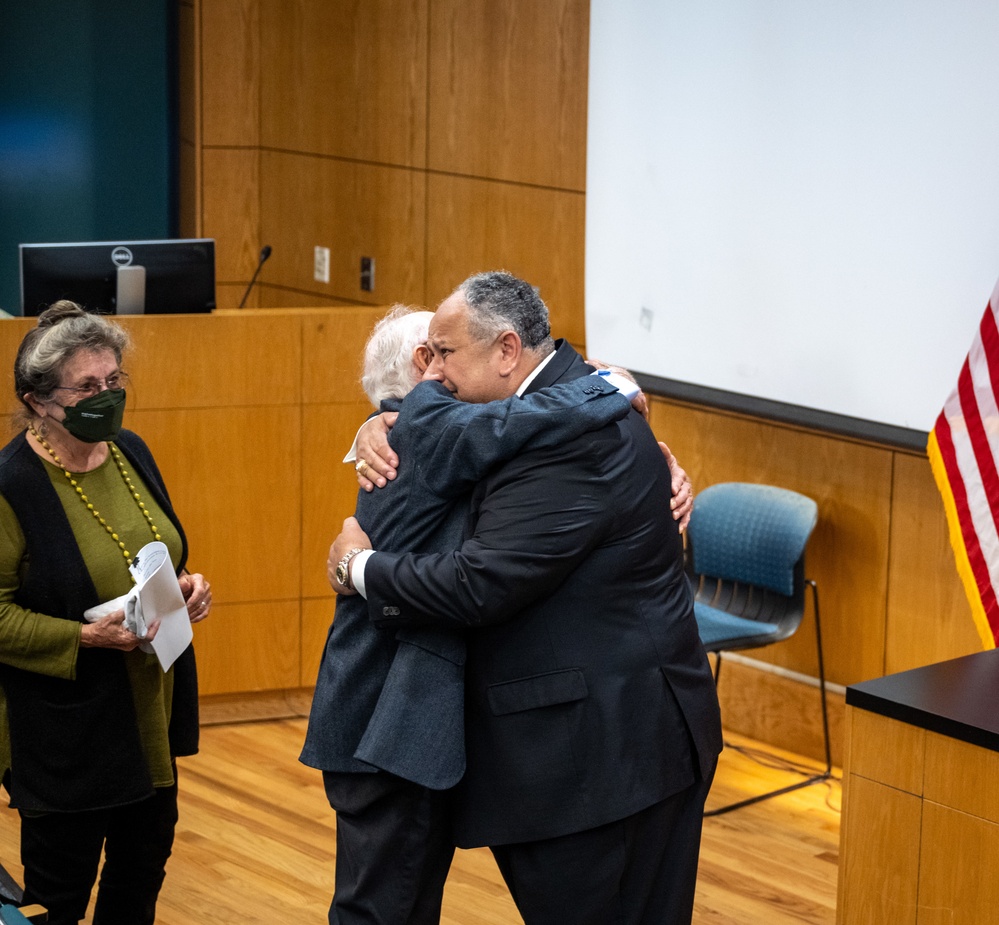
(794, 201)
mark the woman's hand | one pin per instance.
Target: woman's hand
(376, 460)
(198, 595)
(109, 633)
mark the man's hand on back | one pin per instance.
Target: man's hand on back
(682, 502)
(376, 461)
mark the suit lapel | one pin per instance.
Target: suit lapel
(566, 364)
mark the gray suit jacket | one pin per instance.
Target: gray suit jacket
(395, 700)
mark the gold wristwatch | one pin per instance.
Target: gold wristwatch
(343, 568)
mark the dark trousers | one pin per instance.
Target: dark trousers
(640, 870)
(62, 851)
(393, 850)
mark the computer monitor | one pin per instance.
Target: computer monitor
(120, 277)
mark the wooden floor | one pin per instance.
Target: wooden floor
(255, 843)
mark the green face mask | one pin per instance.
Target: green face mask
(97, 418)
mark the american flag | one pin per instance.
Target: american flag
(964, 453)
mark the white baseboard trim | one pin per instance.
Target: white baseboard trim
(783, 672)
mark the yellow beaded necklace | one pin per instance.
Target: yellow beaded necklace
(86, 501)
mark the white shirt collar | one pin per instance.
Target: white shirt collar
(534, 373)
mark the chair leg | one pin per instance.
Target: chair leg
(822, 675)
(717, 668)
(10, 892)
(811, 779)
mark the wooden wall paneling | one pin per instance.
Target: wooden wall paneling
(189, 99)
(929, 619)
(537, 234)
(189, 122)
(247, 647)
(279, 297)
(332, 355)
(188, 189)
(233, 476)
(508, 90)
(238, 497)
(356, 210)
(772, 708)
(229, 295)
(214, 360)
(848, 552)
(956, 881)
(193, 361)
(346, 79)
(231, 212)
(12, 331)
(232, 71)
(878, 877)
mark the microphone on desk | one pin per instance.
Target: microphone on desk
(264, 254)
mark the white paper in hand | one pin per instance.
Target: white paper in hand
(158, 597)
(108, 607)
(134, 621)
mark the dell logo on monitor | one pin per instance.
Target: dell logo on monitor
(121, 256)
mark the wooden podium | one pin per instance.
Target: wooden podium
(919, 841)
(249, 414)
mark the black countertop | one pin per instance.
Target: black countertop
(958, 698)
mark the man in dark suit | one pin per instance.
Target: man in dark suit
(592, 722)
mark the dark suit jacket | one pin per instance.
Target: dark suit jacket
(589, 696)
(395, 701)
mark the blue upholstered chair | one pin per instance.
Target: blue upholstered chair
(746, 559)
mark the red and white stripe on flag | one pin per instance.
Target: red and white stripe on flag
(964, 453)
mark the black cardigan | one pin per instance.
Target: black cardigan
(75, 744)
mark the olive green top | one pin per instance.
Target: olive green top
(48, 645)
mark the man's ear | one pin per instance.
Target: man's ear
(511, 351)
(422, 357)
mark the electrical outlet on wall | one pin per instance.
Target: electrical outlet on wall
(367, 274)
(321, 264)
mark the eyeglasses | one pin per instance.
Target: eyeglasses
(91, 387)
